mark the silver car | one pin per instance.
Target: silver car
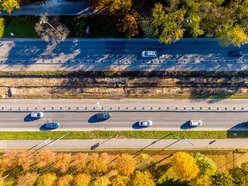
(145, 123)
(37, 114)
(149, 53)
(195, 123)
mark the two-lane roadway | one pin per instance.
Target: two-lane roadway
(75, 121)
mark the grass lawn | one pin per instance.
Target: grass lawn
(120, 134)
(21, 26)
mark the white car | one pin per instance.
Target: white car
(37, 114)
(149, 53)
(195, 123)
(146, 123)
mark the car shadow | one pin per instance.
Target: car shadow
(136, 126)
(94, 119)
(186, 126)
(239, 130)
(28, 118)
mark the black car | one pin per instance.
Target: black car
(235, 53)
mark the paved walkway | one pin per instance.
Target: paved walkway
(220, 105)
(118, 54)
(142, 144)
(54, 8)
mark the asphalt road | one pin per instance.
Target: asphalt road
(118, 54)
(20, 121)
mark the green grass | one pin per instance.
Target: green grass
(120, 134)
(21, 26)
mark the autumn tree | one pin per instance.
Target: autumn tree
(142, 179)
(125, 164)
(9, 5)
(45, 158)
(98, 163)
(28, 179)
(168, 26)
(62, 162)
(79, 161)
(120, 180)
(82, 180)
(25, 159)
(113, 6)
(143, 160)
(51, 29)
(129, 25)
(240, 176)
(101, 181)
(184, 166)
(206, 165)
(65, 180)
(1, 26)
(48, 179)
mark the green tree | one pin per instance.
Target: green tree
(184, 166)
(129, 25)
(9, 5)
(82, 180)
(1, 26)
(207, 166)
(222, 179)
(240, 176)
(48, 179)
(142, 179)
(168, 26)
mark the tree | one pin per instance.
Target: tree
(51, 29)
(222, 179)
(143, 160)
(28, 179)
(99, 164)
(1, 26)
(79, 161)
(207, 166)
(120, 180)
(65, 180)
(146, 26)
(101, 181)
(142, 179)
(45, 158)
(48, 179)
(82, 180)
(125, 164)
(113, 6)
(168, 26)
(240, 176)
(129, 25)
(9, 5)
(201, 181)
(184, 166)
(62, 162)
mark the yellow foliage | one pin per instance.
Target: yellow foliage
(48, 179)
(29, 179)
(1, 26)
(142, 179)
(184, 166)
(125, 164)
(82, 180)
(65, 180)
(9, 5)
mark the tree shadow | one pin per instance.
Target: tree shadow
(94, 119)
(28, 118)
(173, 182)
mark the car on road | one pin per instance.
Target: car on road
(145, 123)
(149, 53)
(195, 123)
(235, 53)
(53, 125)
(37, 115)
(104, 115)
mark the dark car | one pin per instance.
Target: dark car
(53, 125)
(104, 115)
(235, 53)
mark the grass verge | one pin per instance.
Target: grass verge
(121, 134)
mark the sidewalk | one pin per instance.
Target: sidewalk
(121, 144)
(156, 105)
